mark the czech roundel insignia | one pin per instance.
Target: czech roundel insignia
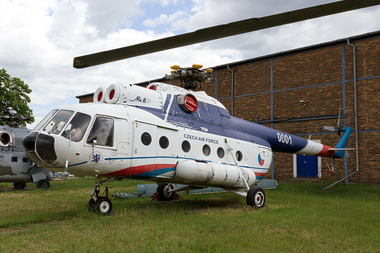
(261, 159)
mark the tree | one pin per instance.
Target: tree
(14, 99)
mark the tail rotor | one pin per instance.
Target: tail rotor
(338, 130)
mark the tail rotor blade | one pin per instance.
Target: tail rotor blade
(329, 128)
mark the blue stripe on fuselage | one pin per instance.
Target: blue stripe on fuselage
(219, 122)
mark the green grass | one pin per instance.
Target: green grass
(298, 218)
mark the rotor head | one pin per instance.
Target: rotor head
(190, 77)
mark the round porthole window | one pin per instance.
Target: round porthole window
(164, 141)
(186, 146)
(220, 152)
(239, 155)
(146, 139)
(206, 150)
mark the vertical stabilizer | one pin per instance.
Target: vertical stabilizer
(342, 142)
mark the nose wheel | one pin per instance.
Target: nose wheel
(98, 204)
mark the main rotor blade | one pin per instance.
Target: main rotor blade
(220, 31)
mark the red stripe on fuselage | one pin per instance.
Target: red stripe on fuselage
(132, 171)
(260, 174)
(326, 152)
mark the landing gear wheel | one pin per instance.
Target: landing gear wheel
(91, 206)
(19, 185)
(163, 189)
(44, 184)
(103, 206)
(256, 197)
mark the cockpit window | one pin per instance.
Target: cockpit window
(46, 119)
(58, 122)
(77, 127)
(102, 132)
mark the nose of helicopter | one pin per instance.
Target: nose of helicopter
(40, 148)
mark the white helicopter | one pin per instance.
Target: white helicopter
(166, 134)
(169, 134)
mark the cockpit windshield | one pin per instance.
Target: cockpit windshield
(77, 127)
(56, 125)
(46, 119)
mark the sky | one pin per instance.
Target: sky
(40, 38)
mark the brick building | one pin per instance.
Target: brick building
(300, 91)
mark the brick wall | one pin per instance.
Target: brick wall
(320, 76)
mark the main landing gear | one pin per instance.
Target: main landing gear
(165, 191)
(98, 204)
(256, 197)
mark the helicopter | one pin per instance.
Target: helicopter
(172, 134)
(15, 165)
(165, 134)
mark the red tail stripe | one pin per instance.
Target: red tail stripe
(326, 152)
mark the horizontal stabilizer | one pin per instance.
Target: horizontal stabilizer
(344, 149)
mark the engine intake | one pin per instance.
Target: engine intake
(5, 139)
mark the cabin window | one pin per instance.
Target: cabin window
(220, 152)
(146, 139)
(102, 132)
(46, 119)
(239, 155)
(77, 127)
(164, 141)
(14, 159)
(186, 146)
(58, 122)
(206, 150)
(25, 160)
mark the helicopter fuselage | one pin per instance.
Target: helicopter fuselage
(164, 134)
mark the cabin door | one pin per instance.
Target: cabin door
(144, 149)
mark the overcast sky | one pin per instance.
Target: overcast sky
(40, 38)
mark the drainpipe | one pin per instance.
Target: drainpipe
(356, 118)
(232, 90)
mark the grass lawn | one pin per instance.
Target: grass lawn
(298, 217)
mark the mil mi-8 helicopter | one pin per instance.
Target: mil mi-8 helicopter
(15, 166)
(169, 134)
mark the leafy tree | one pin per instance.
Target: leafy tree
(14, 99)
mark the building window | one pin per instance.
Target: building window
(14, 159)
(25, 160)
